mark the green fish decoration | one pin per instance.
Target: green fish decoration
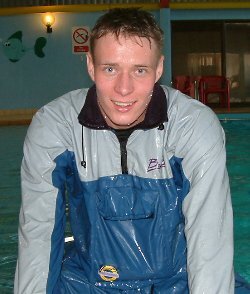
(14, 49)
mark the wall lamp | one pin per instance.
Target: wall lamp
(48, 20)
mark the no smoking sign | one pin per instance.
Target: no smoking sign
(80, 40)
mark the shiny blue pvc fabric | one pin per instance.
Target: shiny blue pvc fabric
(133, 225)
(135, 235)
(241, 285)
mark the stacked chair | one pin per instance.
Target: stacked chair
(203, 87)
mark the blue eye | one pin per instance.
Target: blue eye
(141, 71)
(109, 69)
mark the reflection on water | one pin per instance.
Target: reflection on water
(238, 162)
(10, 160)
(238, 138)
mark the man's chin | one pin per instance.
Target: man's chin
(123, 126)
(124, 122)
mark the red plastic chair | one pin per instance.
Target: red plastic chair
(184, 84)
(215, 85)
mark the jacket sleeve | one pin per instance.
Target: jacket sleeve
(207, 207)
(47, 137)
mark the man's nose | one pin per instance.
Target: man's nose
(124, 84)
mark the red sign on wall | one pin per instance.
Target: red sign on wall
(80, 40)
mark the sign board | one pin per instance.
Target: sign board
(80, 40)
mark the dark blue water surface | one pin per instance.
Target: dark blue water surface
(10, 159)
(238, 162)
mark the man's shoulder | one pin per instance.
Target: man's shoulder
(57, 118)
(72, 99)
(189, 119)
(65, 106)
(184, 108)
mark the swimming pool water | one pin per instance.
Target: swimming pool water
(238, 162)
(10, 159)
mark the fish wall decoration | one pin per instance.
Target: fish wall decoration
(14, 49)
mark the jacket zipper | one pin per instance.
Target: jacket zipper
(122, 136)
(124, 165)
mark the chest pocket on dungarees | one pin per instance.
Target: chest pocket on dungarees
(126, 203)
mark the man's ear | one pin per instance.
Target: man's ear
(159, 69)
(90, 66)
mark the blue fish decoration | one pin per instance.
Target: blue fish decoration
(14, 49)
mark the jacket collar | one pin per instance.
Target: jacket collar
(91, 116)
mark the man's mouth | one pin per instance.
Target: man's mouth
(123, 104)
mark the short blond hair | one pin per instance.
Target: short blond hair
(128, 22)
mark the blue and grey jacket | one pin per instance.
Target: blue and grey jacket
(149, 208)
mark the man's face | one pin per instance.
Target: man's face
(124, 71)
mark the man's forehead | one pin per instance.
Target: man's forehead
(124, 46)
(125, 37)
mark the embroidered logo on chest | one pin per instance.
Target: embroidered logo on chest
(154, 164)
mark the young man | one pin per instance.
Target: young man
(144, 171)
